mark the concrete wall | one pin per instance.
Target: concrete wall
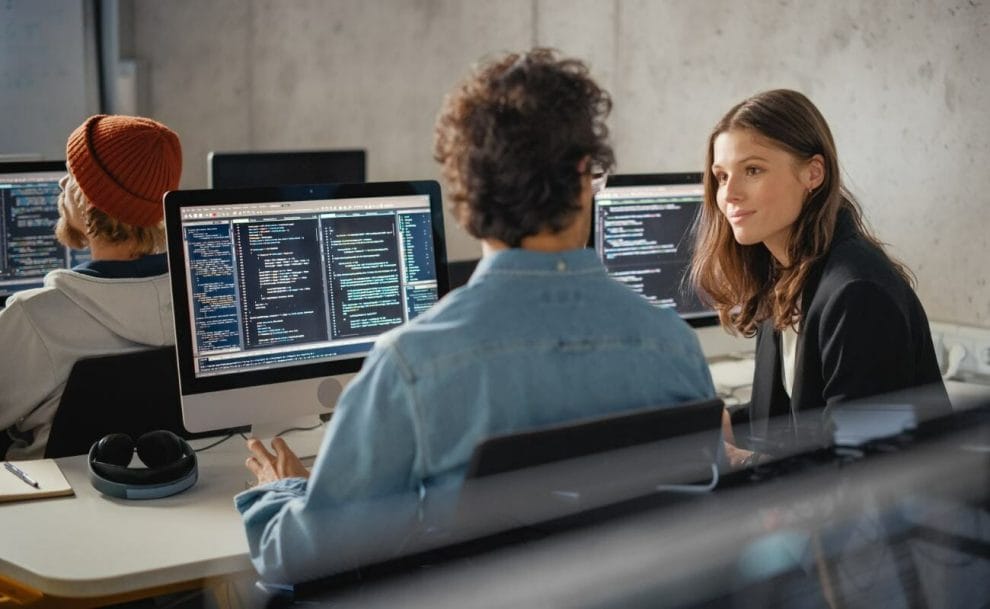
(903, 83)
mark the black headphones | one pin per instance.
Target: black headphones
(171, 465)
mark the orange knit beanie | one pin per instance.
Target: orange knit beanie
(124, 165)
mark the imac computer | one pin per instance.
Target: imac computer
(642, 231)
(279, 293)
(28, 213)
(259, 169)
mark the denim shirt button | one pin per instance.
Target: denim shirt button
(561, 266)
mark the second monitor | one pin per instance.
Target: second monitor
(257, 169)
(29, 194)
(642, 231)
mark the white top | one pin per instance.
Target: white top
(788, 348)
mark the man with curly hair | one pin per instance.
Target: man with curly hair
(539, 335)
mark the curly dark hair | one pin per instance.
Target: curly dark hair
(510, 139)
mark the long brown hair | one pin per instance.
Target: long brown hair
(744, 283)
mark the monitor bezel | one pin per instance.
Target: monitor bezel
(175, 201)
(215, 157)
(8, 167)
(656, 179)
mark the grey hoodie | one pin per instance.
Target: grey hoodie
(44, 331)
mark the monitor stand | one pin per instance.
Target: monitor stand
(327, 394)
(267, 431)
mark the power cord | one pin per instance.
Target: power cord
(244, 437)
(692, 488)
(217, 443)
(310, 428)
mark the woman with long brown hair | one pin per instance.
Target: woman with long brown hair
(783, 253)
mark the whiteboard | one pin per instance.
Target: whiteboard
(49, 79)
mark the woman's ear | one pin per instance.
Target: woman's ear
(815, 172)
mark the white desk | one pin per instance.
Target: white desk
(717, 342)
(91, 545)
(733, 376)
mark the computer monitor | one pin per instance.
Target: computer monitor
(260, 169)
(28, 213)
(279, 293)
(642, 231)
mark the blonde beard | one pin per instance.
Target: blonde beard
(67, 234)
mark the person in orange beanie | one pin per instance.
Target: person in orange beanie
(119, 168)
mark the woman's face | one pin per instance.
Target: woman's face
(761, 188)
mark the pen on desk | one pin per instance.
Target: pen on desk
(20, 474)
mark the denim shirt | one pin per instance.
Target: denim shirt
(533, 339)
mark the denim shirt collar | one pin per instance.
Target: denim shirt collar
(517, 262)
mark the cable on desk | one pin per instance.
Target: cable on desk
(285, 431)
(244, 437)
(217, 443)
(692, 488)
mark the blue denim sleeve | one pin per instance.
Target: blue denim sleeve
(262, 497)
(361, 499)
(261, 503)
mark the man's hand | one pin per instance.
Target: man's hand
(268, 467)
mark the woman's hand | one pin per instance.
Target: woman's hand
(270, 467)
(739, 458)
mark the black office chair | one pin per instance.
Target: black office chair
(460, 271)
(129, 393)
(521, 486)
(539, 475)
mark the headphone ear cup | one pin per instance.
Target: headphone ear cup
(115, 449)
(159, 448)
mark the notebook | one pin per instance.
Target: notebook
(51, 481)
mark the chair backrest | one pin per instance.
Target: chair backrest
(536, 475)
(460, 271)
(585, 437)
(129, 393)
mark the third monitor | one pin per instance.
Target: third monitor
(642, 231)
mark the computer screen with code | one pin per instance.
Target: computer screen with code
(642, 232)
(28, 214)
(280, 293)
(275, 284)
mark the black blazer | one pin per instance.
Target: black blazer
(863, 332)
